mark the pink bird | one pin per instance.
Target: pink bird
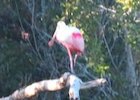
(71, 38)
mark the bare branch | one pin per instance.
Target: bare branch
(93, 83)
(66, 80)
(107, 9)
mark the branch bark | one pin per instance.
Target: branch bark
(130, 69)
(66, 80)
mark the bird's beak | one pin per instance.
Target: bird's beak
(50, 43)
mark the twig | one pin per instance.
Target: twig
(19, 18)
(32, 28)
(109, 53)
(107, 9)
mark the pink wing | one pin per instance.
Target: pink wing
(78, 42)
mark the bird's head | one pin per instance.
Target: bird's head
(61, 24)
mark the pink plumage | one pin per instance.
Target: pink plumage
(71, 38)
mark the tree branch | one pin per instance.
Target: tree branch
(66, 80)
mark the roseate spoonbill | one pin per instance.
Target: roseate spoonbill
(71, 38)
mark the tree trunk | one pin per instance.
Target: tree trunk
(131, 73)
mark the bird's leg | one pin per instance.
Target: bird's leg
(75, 58)
(71, 61)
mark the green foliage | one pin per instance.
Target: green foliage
(127, 21)
(127, 4)
(16, 65)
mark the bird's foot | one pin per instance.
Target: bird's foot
(72, 71)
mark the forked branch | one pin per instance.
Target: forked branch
(66, 80)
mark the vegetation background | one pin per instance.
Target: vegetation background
(112, 34)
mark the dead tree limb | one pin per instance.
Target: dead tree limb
(66, 80)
